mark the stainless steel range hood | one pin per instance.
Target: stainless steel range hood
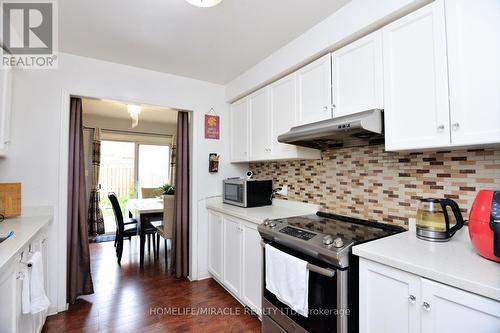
(358, 129)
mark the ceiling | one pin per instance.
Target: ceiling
(118, 110)
(211, 44)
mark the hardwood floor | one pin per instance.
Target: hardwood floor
(130, 299)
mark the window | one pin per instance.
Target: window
(154, 165)
(127, 164)
(116, 174)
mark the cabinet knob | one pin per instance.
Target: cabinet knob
(412, 299)
(325, 108)
(455, 126)
(426, 306)
(440, 128)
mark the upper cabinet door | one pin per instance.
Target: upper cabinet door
(473, 36)
(283, 110)
(416, 80)
(260, 125)
(357, 76)
(239, 130)
(314, 88)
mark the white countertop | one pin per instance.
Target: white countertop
(25, 228)
(279, 209)
(454, 263)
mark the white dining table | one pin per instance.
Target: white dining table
(144, 206)
(145, 211)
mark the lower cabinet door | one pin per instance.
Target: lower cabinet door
(215, 245)
(8, 301)
(251, 291)
(450, 310)
(388, 299)
(232, 254)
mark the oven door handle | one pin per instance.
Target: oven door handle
(313, 268)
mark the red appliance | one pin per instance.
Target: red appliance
(484, 224)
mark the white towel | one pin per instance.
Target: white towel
(25, 296)
(287, 277)
(38, 299)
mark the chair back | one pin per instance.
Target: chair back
(168, 216)
(117, 211)
(150, 192)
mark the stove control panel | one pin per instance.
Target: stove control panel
(297, 233)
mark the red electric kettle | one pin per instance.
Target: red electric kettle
(484, 224)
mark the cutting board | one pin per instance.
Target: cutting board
(10, 199)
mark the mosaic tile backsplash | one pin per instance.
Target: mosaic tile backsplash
(370, 183)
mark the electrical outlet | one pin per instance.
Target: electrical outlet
(283, 191)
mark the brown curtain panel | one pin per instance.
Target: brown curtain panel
(95, 218)
(181, 212)
(78, 266)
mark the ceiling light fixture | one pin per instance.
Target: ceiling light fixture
(134, 111)
(204, 3)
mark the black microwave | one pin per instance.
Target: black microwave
(247, 192)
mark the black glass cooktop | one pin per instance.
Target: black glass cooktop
(349, 229)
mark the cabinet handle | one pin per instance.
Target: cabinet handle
(455, 126)
(426, 306)
(412, 299)
(325, 108)
(440, 128)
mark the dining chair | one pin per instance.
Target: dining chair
(125, 228)
(151, 192)
(166, 229)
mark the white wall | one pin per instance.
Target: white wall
(345, 25)
(40, 111)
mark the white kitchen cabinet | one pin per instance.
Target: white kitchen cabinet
(5, 109)
(260, 125)
(8, 290)
(239, 130)
(451, 310)
(283, 105)
(314, 91)
(235, 244)
(387, 305)
(251, 289)
(416, 80)
(232, 254)
(357, 76)
(12, 320)
(473, 35)
(385, 293)
(271, 112)
(215, 242)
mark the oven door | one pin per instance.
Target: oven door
(234, 193)
(327, 300)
